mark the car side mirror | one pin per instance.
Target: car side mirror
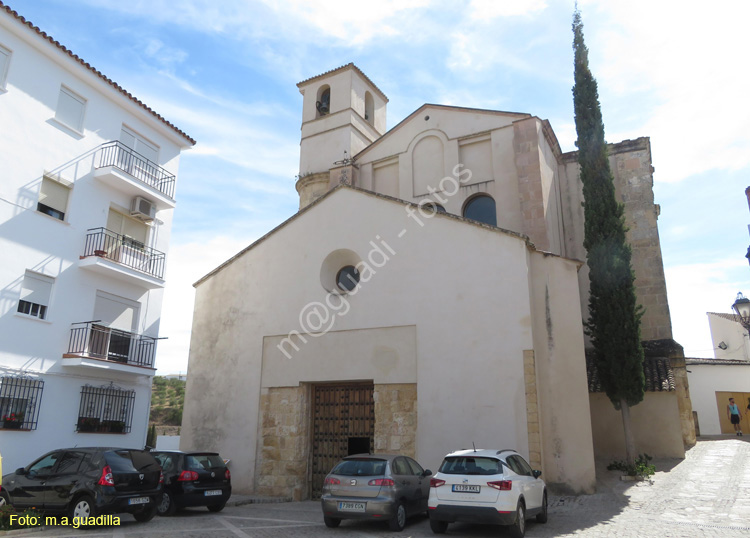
(21, 471)
(536, 473)
(427, 472)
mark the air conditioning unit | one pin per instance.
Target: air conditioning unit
(142, 209)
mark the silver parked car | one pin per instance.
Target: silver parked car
(377, 487)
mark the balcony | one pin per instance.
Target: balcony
(130, 172)
(124, 258)
(93, 345)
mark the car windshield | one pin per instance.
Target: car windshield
(360, 467)
(471, 465)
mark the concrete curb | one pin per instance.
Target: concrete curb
(240, 500)
(20, 532)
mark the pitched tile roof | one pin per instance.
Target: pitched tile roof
(342, 68)
(718, 362)
(730, 317)
(44, 35)
(658, 372)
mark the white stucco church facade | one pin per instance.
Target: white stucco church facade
(428, 295)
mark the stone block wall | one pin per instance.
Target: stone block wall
(532, 410)
(284, 445)
(528, 168)
(396, 418)
(634, 186)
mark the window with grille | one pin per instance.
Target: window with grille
(105, 409)
(20, 399)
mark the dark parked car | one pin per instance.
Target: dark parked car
(193, 479)
(87, 482)
(375, 486)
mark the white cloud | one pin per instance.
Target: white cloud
(697, 288)
(186, 264)
(490, 9)
(684, 67)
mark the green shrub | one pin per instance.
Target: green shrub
(642, 467)
(34, 518)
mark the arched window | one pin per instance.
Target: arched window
(481, 208)
(369, 108)
(323, 103)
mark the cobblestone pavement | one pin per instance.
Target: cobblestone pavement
(706, 495)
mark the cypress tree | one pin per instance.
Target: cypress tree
(614, 316)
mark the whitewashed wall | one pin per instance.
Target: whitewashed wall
(32, 142)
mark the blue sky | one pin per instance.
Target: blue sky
(226, 72)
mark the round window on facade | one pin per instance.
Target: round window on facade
(481, 208)
(347, 278)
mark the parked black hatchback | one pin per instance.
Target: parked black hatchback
(87, 482)
(193, 479)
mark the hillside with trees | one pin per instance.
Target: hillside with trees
(167, 401)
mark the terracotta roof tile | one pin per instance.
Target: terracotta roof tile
(730, 317)
(718, 362)
(91, 68)
(657, 370)
(342, 68)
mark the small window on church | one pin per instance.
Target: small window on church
(347, 278)
(481, 208)
(323, 103)
(369, 108)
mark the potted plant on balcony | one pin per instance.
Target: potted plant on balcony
(116, 426)
(88, 424)
(13, 421)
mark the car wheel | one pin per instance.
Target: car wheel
(541, 517)
(438, 527)
(216, 507)
(82, 507)
(398, 521)
(331, 522)
(146, 513)
(166, 506)
(518, 529)
(4, 501)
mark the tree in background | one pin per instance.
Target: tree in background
(614, 317)
(151, 436)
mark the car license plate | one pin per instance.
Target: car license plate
(138, 500)
(352, 507)
(212, 492)
(465, 488)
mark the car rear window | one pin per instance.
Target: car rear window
(471, 465)
(130, 461)
(360, 467)
(197, 462)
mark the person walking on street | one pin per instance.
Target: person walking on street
(734, 415)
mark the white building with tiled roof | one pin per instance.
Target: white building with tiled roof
(88, 185)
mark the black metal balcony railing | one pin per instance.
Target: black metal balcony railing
(91, 339)
(124, 250)
(131, 162)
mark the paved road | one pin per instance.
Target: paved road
(706, 495)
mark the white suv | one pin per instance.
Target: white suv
(486, 486)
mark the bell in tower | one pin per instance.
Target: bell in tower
(343, 112)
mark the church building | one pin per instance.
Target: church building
(428, 296)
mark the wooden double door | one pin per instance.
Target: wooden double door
(343, 423)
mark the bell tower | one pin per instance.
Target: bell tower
(343, 112)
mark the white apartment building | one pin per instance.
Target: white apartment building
(87, 192)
